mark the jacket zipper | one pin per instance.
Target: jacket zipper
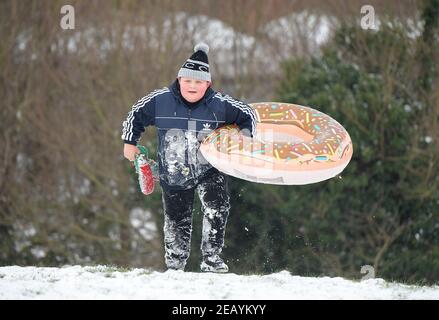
(191, 166)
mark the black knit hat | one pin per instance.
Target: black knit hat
(197, 66)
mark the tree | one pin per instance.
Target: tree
(380, 211)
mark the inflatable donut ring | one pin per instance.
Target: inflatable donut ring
(294, 145)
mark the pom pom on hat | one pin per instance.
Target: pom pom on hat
(202, 46)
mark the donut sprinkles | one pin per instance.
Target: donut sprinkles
(326, 146)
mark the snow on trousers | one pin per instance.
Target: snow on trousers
(178, 205)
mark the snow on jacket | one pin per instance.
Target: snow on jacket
(181, 128)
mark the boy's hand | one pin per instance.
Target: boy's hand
(130, 151)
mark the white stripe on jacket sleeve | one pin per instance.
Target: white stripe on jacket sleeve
(127, 133)
(241, 106)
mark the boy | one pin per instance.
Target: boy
(183, 113)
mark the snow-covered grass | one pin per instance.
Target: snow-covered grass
(102, 282)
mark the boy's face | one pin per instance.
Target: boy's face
(193, 90)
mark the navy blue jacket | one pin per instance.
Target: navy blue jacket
(180, 129)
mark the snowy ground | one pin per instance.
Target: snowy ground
(101, 282)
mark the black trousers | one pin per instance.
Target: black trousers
(178, 206)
